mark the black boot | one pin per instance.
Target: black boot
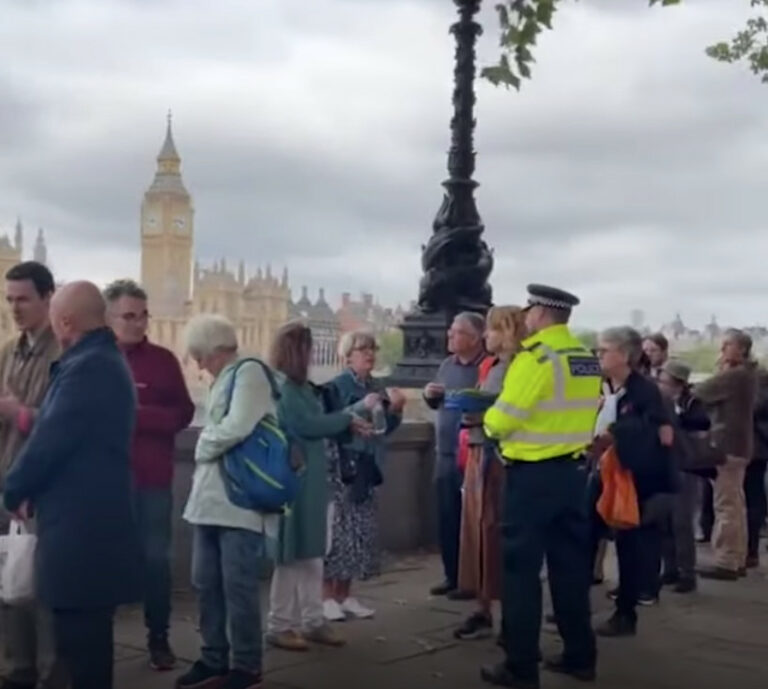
(617, 625)
(500, 676)
(561, 666)
(685, 585)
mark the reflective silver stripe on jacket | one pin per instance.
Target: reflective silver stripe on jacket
(559, 401)
(550, 438)
(557, 371)
(512, 410)
(568, 405)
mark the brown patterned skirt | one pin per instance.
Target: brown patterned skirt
(480, 550)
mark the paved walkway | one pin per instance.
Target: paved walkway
(713, 639)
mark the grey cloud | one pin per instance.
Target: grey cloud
(572, 174)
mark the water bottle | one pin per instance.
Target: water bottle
(379, 419)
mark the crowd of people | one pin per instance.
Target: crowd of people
(89, 413)
(521, 483)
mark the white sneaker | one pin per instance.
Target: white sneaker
(332, 611)
(353, 607)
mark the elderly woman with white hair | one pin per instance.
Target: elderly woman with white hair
(636, 421)
(355, 469)
(228, 541)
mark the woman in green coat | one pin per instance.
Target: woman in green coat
(296, 596)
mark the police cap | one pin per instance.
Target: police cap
(551, 297)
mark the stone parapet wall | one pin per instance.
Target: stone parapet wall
(407, 516)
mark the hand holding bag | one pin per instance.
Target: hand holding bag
(618, 504)
(17, 564)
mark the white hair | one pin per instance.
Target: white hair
(627, 340)
(353, 339)
(209, 333)
(474, 320)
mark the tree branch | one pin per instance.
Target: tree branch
(750, 44)
(521, 22)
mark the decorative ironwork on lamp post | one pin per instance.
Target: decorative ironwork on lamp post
(456, 262)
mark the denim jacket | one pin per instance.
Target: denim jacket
(347, 391)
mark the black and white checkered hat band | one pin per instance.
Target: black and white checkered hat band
(549, 303)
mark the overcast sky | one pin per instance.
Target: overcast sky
(632, 170)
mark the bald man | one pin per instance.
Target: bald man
(74, 473)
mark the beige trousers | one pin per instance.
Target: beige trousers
(296, 597)
(729, 536)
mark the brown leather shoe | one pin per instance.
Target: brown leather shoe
(719, 574)
(287, 641)
(325, 636)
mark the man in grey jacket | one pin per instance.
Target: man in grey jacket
(459, 371)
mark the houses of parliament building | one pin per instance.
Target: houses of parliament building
(179, 287)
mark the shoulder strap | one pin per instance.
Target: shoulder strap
(267, 372)
(485, 368)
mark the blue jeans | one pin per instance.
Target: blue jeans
(153, 507)
(225, 568)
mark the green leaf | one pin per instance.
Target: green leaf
(503, 13)
(529, 32)
(510, 37)
(544, 12)
(500, 76)
(523, 54)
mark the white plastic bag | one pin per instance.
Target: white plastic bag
(17, 564)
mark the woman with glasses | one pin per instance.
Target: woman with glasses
(355, 472)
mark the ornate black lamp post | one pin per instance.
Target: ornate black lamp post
(456, 261)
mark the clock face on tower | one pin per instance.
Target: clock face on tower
(179, 224)
(151, 226)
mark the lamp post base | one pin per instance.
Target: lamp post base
(424, 348)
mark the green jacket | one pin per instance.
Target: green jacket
(300, 412)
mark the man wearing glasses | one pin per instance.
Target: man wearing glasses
(458, 372)
(164, 409)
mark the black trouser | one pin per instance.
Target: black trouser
(85, 646)
(597, 528)
(679, 540)
(639, 554)
(754, 490)
(449, 525)
(707, 514)
(544, 514)
(153, 509)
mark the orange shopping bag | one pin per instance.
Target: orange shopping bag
(617, 504)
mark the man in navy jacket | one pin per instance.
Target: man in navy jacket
(74, 473)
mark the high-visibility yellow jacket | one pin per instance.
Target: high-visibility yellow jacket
(548, 405)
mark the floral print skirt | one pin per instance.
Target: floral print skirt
(354, 552)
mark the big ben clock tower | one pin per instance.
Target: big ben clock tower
(167, 234)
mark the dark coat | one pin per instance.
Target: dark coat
(693, 416)
(75, 470)
(641, 412)
(761, 417)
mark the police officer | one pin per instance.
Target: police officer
(543, 421)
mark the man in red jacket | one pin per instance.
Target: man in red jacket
(164, 409)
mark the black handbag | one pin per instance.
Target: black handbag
(347, 465)
(367, 477)
(700, 454)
